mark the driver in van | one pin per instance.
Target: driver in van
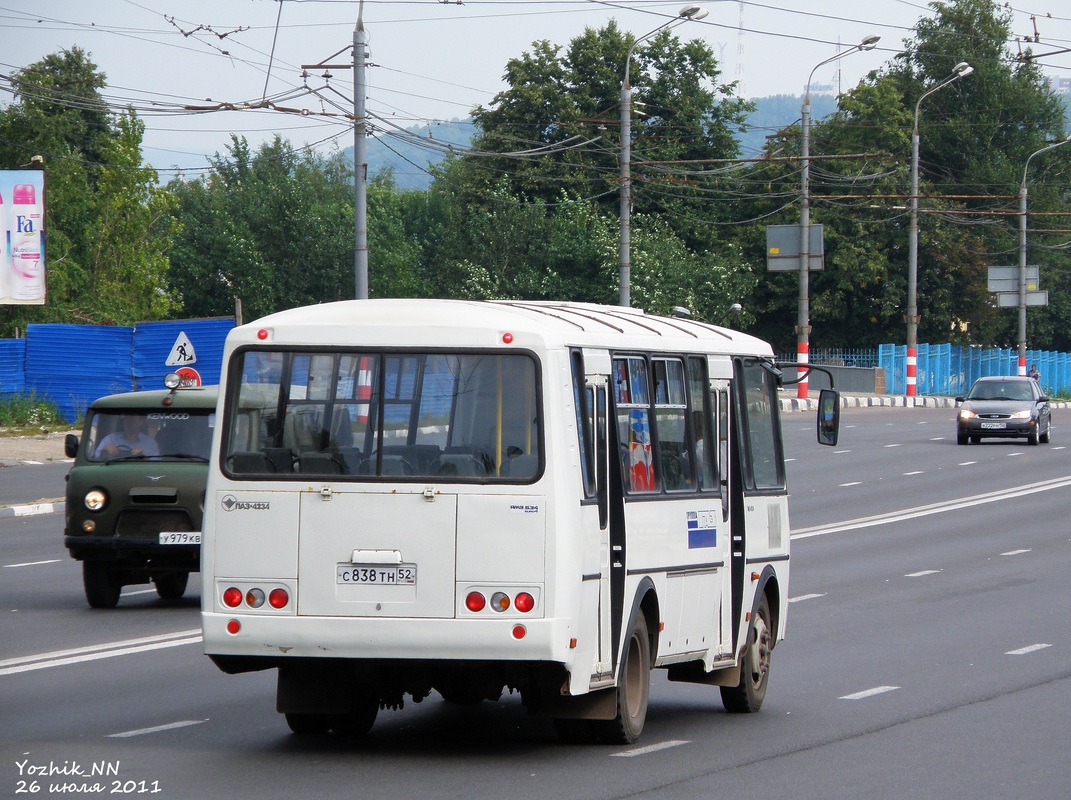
(129, 439)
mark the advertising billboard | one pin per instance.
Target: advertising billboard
(22, 234)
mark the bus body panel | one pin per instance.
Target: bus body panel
(435, 539)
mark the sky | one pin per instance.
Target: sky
(432, 61)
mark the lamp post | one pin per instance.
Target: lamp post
(960, 70)
(1022, 254)
(691, 12)
(803, 322)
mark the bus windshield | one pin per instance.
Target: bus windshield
(398, 415)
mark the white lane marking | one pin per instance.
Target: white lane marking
(852, 483)
(803, 597)
(10, 666)
(892, 445)
(933, 508)
(937, 439)
(139, 591)
(651, 748)
(967, 463)
(921, 573)
(869, 693)
(32, 563)
(1016, 552)
(916, 472)
(1013, 455)
(1059, 447)
(1022, 651)
(168, 727)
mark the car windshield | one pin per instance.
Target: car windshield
(1001, 390)
(130, 434)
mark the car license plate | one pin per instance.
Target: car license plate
(993, 426)
(376, 574)
(180, 537)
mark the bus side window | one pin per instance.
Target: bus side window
(634, 425)
(671, 421)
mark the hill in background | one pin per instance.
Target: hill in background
(408, 154)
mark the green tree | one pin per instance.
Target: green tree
(272, 228)
(975, 136)
(107, 224)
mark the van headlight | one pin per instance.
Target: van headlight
(96, 499)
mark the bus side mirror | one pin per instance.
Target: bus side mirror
(828, 417)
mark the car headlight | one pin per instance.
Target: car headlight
(96, 499)
(966, 414)
(1024, 414)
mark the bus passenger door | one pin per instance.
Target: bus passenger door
(591, 379)
(720, 394)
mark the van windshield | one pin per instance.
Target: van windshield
(159, 435)
(450, 416)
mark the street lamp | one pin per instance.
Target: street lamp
(691, 12)
(961, 69)
(803, 323)
(1022, 254)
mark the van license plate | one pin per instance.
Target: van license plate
(376, 574)
(180, 537)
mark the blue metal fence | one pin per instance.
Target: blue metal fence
(73, 365)
(950, 370)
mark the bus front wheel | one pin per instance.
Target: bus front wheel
(633, 688)
(747, 696)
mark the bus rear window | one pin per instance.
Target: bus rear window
(447, 416)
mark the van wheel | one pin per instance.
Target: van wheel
(172, 585)
(633, 689)
(102, 584)
(747, 696)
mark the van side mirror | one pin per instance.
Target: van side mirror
(828, 417)
(70, 445)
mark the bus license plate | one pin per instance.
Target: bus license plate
(376, 574)
(994, 426)
(180, 537)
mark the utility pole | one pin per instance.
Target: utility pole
(360, 158)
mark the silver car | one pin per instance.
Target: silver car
(1004, 406)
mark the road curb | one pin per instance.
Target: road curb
(33, 509)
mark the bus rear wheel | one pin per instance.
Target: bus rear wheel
(633, 689)
(308, 724)
(747, 696)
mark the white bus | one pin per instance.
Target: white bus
(467, 497)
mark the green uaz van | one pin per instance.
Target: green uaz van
(135, 495)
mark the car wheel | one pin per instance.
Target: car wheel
(1047, 436)
(961, 438)
(1033, 438)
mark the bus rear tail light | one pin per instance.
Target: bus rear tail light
(251, 597)
(232, 597)
(485, 599)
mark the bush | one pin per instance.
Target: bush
(27, 411)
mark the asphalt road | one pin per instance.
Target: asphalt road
(927, 656)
